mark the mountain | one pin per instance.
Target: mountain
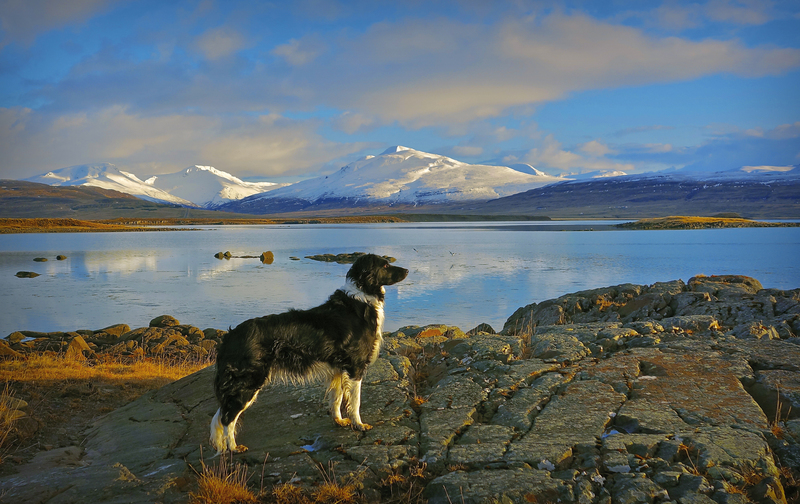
(208, 187)
(399, 176)
(196, 186)
(107, 176)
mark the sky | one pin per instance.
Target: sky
(283, 91)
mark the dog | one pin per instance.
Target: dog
(335, 341)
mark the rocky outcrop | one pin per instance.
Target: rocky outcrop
(672, 392)
(165, 337)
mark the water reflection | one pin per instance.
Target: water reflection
(459, 274)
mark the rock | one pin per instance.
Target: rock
(343, 258)
(26, 274)
(60, 257)
(7, 352)
(164, 321)
(479, 487)
(40, 259)
(481, 328)
(113, 332)
(725, 286)
(15, 337)
(777, 388)
(79, 350)
(267, 257)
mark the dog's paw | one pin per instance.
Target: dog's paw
(240, 449)
(362, 427)
(342, 422)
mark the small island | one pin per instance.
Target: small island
(689, 222)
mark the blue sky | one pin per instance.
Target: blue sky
(288, 90)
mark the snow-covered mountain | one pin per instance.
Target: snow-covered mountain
(197, 186)
(108, 176)
(401, 175)
(207, 186)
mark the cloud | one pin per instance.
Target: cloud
(300, 52)
(641, 129)
(742, 12)
(595, 149)
(551, 155)
(219, 43)
(23, 20)
(424, 73)
(268, 145)
(729, 149)
(350, 122)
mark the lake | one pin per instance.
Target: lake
(460, 274)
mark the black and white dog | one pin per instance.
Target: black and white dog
(335, 341)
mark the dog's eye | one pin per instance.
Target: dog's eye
(385, 265)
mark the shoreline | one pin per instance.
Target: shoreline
(69, 225)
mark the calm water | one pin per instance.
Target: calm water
(460, 274)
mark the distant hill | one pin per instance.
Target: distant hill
(21, 199)
(756, 195)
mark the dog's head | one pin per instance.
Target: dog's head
(371, 272)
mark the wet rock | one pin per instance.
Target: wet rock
(343, 258)
(60, 257)
(26, 274)
(164, 321)
(267, 257)
(40, 259)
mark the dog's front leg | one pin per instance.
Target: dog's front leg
(354, 406)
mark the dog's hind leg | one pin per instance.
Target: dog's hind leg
(354, 405)
(336, 390)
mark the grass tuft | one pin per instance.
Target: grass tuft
(223, 483)
(7, 417)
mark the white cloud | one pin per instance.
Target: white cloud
(351, 123)
(595, 149)
(269, 145)
(439, 72)
(551, 155)
(220, 42)
(467, 150)
(300, 52)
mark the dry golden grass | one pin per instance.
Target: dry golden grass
(48, 368)
(690, 222)
(7, 417)
(223, 483)
(62, 391)
(59, 225)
